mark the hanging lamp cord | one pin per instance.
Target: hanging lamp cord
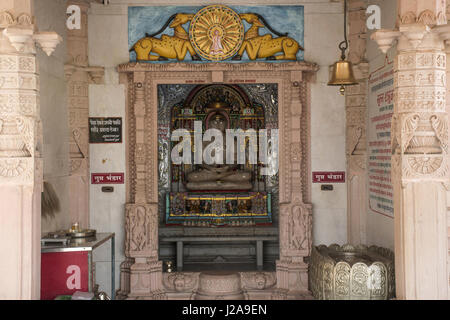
(344, 44)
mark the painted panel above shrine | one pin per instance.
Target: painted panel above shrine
(216, 33)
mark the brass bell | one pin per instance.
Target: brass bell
(343, 70)
(342, 75)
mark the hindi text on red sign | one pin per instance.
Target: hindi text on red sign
(329, 177)
(107, 178)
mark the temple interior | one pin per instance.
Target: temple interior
(192, 150)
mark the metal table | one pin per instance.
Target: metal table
(88, 244)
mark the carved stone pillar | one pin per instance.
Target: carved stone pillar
(141, 244)
(420, 149)
(79, 75)
(21, 168)
(356, 109)
(295, 213)
(142, 215)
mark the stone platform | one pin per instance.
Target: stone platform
(216, 285)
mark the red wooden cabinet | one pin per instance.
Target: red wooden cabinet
(63, 273)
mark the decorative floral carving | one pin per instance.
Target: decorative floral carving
(359, 276)
(258, 280)
(440, 126)
(407, 18)
(377, 280)
(25, 127)
(180, 282)
(22, 20)
(424, 164)
(6, 19)
(140, 153)
(409, 127)
(427, 17)
(296, 152)
(342, 280)
(27, 64)
(231, 67)
(10, 168)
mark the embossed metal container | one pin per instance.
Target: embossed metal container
(351, 273)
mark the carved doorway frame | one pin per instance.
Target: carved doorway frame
(141, 272)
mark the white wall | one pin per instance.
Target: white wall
(324, 29)
(379, 228)
(50, 16)
(108, 47)
(107, 209)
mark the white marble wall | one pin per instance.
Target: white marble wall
(50, 15)
(380, 229)
(108, 47)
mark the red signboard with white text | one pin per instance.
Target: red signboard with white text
(107, 178)
(63, 273)
(329, 177)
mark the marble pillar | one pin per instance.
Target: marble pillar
(419, 138)
(21, 168)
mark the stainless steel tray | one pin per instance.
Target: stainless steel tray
(81, 233)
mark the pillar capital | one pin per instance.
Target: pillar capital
(413, 37)
(422, 25)
(22, 35)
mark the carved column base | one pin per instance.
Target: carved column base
(146, 280)
(124, 290)
(292, 276)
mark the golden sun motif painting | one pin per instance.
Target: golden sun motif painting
(216, 32)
